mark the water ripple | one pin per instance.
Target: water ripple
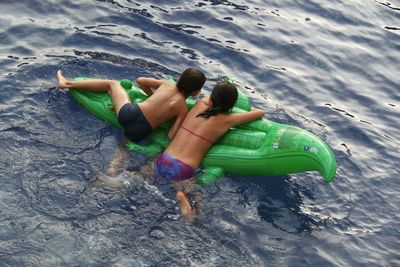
(327, 66)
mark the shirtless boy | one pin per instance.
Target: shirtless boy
(166, 101)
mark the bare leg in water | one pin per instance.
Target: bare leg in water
(120, 155)
(114, 168)
(184, 190)
(116, 91)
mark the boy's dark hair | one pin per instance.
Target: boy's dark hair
(190, 81)
(223, 97)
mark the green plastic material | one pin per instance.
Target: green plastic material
(258, 148)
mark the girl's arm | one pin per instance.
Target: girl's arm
(239, 118)
(147, 84)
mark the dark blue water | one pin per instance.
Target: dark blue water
(331, 67)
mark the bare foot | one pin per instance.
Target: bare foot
(187, 212)
(102, 180)
(62, 82)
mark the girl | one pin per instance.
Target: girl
(202, 126)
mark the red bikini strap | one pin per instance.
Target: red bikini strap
(199, 136)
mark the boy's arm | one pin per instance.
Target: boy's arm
(177, 123)
(239, 118)
(147, 84)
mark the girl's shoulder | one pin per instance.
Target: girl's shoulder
(205, 101)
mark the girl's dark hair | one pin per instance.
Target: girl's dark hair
(191, 80)
(223, 98)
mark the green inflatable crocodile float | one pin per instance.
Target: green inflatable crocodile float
(258, 148)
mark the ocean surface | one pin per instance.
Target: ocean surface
(331, 67)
